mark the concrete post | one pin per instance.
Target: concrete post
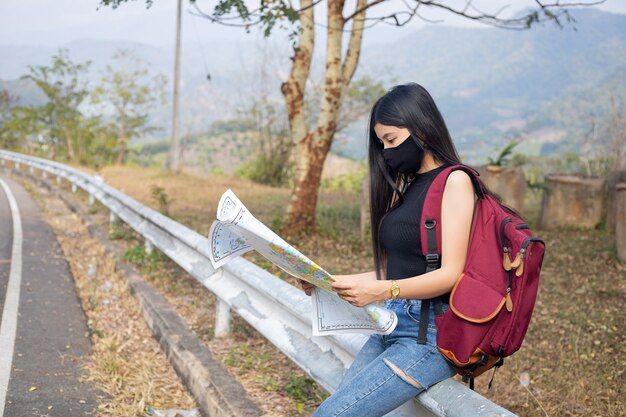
(572, 200)
(613, 179)
(508, 182)
(222, 319)
(620, 221)
(148, 247)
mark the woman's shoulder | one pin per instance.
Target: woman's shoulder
(459, 178)
(459, 184)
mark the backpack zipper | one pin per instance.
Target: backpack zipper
(506, 258)
(522, 253)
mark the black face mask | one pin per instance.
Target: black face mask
(405, 158)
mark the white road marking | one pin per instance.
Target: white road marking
(8, 327)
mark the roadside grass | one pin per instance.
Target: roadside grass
(126, 361)
(574, 351)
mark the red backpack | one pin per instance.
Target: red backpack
(492, 301)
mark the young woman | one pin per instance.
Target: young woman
(409, 145)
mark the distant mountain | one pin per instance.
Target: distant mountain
(489, 83)
(202, 101)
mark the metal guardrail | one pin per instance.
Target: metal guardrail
(277, 310)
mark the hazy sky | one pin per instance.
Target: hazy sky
(53, 23)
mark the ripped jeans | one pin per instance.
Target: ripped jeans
(389, 370)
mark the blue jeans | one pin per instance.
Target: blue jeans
(389, 370)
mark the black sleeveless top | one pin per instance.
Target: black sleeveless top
(400, 230)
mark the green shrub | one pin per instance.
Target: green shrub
(271, 170)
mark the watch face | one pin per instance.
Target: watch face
(395, 291)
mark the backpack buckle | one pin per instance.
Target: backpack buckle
(432, 258)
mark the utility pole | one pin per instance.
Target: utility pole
(174, 156)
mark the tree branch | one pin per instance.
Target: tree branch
(493, 19)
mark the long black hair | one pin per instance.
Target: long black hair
(407, 106)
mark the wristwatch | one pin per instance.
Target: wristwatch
(394, 290)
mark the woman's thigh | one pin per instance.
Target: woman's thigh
(396, 375)
(370, 351)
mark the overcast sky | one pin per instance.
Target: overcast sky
(54, 23)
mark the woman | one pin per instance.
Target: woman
(409, 144)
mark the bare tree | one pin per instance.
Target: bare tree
(130, 91)
(313, 141)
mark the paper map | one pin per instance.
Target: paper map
(236, 231)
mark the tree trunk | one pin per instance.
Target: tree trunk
(71, 155)
(311, 154)
(313, 146)
(121, 145)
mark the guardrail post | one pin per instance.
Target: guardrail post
(2, 161)
(620, 221)
(31, 169)
(73, 187)
(113, 220)
(17, 166)
(148, 247)
(44, 173)
(58, 179)
(222, 319)
(92, 199)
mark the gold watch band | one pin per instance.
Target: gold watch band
(394, 290)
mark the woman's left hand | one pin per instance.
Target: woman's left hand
(359, 292)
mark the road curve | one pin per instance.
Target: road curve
(40, 375)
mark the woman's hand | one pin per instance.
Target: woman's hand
(306, 286)
(360, 292)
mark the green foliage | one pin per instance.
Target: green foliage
(138, 256)
(121, 231)
(265, 169)
(339, 220)
(271, 148)
(127, 94)
(218, 172)
(303, 389)
(161, 199)
(351, 182)
(503, 157)
(270, 13)
(58, 129)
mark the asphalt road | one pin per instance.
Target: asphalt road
(51, 337)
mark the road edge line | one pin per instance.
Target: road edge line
(8, 327)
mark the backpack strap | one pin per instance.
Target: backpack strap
(431, 235)
(431, 212)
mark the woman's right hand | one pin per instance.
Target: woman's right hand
(306, 286)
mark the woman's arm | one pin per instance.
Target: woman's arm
(457, 209)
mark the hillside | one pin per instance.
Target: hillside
(490, 84)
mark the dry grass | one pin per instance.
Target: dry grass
(574, 350)
(126, 361)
